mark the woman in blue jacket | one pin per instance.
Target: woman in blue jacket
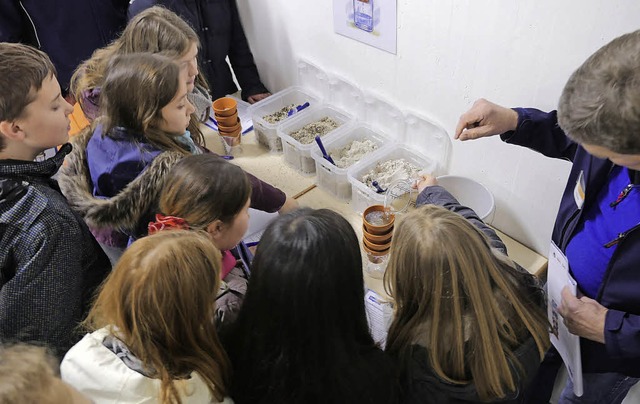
(597, 127)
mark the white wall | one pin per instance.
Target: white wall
(516, 53)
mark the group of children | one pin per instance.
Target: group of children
(180, 317)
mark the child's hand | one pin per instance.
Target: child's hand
(425, 180)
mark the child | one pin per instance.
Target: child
(302, 333)
(28, 374)
(469, 324)
(193, 198)
(153, 336)
(50, 263)
(156, 30)
(117, 170)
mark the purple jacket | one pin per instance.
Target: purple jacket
(618, 292)
(123, 165)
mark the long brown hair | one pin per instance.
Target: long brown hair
(203, 188)
(160, 301)
(134, 92)
(154, 30)
(456, 297)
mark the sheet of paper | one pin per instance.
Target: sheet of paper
(258, 222)
(379, 316)
(567, 344)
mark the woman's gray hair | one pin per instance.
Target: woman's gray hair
(600, 104)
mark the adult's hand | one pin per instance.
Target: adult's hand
(424, 181)
(257, 97)
(583, 317)
(289, 205)
(485, 119)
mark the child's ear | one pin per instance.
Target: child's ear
(216, 231)
(11, 130)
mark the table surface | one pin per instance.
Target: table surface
(271, 167)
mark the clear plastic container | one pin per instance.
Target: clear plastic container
(363, 196)
(298, 155)
(384, 124)
(267, 133)
(333, 178)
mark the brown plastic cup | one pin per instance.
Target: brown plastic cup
(376, 247)
(227, 120)
(378, 229)
(377, 238)
(230, 128)
(225, 106)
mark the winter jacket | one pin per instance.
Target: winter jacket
(105, 376)
(50, 264)
(115, 184)
(422, 385)
(68, 31)
(218, 25)
(618, 292)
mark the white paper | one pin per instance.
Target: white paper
(258, 222)
(567, 344)
(379, 316)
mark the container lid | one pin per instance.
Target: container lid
(429, 139)
(346, 96)
(313, 79)
(384, 116)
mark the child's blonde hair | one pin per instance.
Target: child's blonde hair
(203, 188)
(27, 374)
(456, 297)
(135, 90)
(160, 301)
(154, 30)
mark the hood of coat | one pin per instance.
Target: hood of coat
(129, 206)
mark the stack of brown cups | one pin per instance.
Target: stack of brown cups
(377, 230)
(226, 115)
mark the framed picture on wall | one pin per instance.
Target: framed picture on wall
(370, 21)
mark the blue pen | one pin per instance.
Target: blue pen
(324, 151)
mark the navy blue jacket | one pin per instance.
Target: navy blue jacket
(218, 25)
(67, 30)
(618, 292)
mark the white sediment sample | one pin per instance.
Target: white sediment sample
(353, 152)
(279, 114)
(389, 171)
(308, 132)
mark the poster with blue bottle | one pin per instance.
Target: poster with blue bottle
(369, 21)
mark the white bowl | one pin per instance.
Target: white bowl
(470, 193)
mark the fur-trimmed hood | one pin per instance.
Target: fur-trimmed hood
(125, 210)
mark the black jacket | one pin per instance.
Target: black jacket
(218, 25)
(50, 264)
(67, 30)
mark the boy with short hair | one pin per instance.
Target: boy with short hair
(50, 264)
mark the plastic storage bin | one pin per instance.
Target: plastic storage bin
(312, 89)
(384, 122)
(298, 155)
(333, 178)
(267, 133)
(363, 196)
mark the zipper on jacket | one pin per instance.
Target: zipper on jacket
(620, 239)
(563, 244)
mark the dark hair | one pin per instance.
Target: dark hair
(203, 188)
(22, 71)
(599, 104)
(302, 334)
(136, 88)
